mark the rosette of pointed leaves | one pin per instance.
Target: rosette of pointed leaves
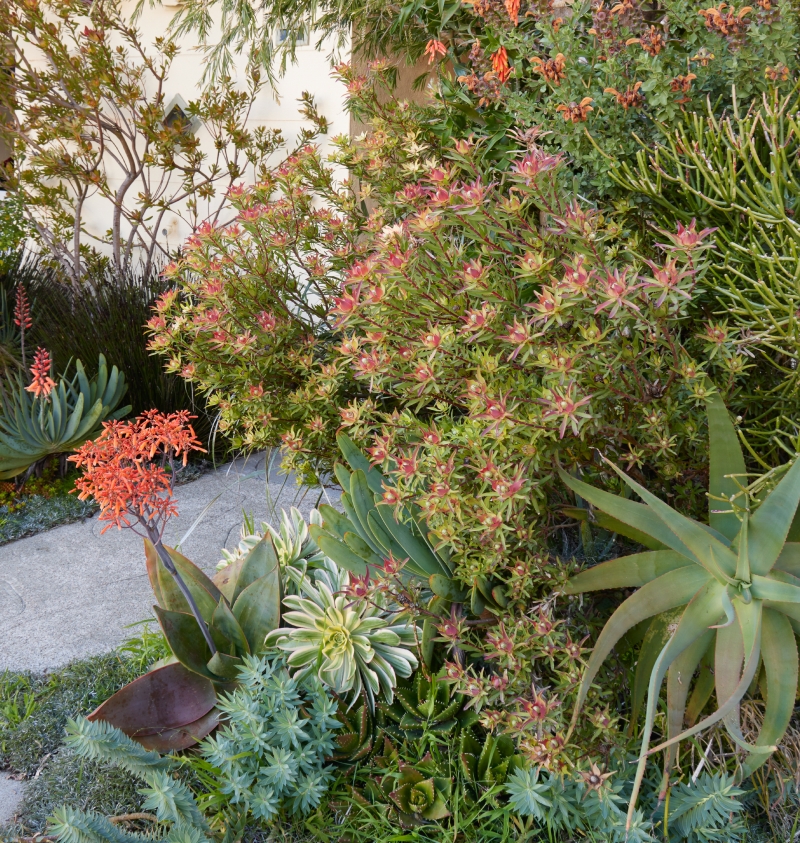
(34, 427)
(487, 764)
(239, 607)
(292, 541)
(736, 581)
(423, 705)
(351, 646)
(355, 740)
(417, 794)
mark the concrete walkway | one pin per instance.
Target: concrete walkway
(70, 592)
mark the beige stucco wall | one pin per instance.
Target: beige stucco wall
(404, 90)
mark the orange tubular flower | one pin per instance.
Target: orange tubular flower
(500, 64)
(512, 7)
(42, 384)
(433, 49)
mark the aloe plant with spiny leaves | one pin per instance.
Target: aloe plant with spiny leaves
(730, 590)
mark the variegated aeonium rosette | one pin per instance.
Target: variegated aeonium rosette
(351, 645)
(731, 588)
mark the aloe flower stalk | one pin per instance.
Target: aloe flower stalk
(351, 646)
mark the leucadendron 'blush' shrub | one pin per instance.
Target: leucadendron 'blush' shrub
(502, 328)
(469, 331)
(248, 319)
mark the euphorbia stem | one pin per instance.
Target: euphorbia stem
(170, 566)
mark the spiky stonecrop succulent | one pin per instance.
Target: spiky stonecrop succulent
(351, 646)
(735, 582)
(280, 731)
(422, 706)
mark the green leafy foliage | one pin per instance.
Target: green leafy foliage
(271, 754)
(35, 707)
(707, 810)
(239, 612)
(735, 583)
(563, 804)
(35, 428)
(13, 226)
(597, 81)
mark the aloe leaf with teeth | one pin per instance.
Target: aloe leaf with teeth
(732, 591)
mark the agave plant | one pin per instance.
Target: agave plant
(368, 532)
(292, 541)
(352, 647)
(736, 581)
(33, 428)
(423, 705)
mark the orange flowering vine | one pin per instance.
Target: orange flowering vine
(41, 384)
(779, 73)
(682, 85)
(725, 19)
(652, 42)
(125, 471)
(630, 98)
(553, 69)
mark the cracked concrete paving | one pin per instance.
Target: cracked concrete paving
(70, 592)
